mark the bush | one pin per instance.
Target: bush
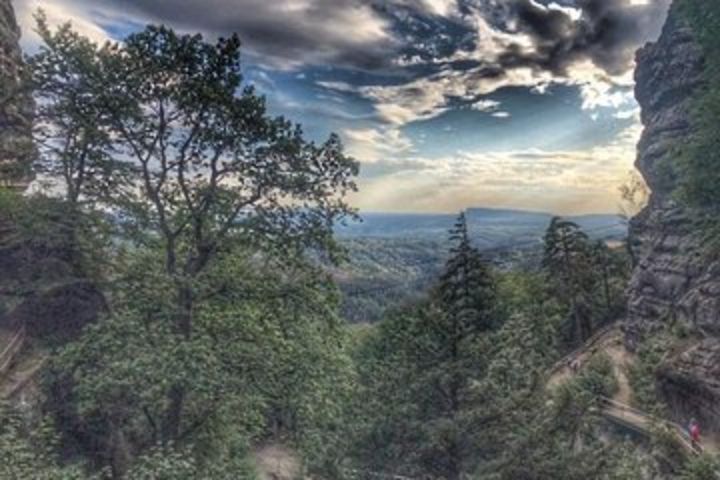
(704, 467)
(599, 376)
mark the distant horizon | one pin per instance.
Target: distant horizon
(495, 209)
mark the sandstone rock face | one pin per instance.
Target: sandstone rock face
(671, 280)
(674, 281)
(39, 287)
(690, 382)
(15, 106)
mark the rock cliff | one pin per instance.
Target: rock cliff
(670, 280)
(674, 282)
(15, 106)
(40, 287)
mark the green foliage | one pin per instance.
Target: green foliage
(265, 358)
(467, 291)
(17, 151)
(514, 427)
(41, 251)
(566, 261)
(598, 377)
(70, 121)
(420, 400)
(704, 467)
(587, 278)
(643, 373)
(28, 449)
(380, 273)
(556, 436)
(700, 176)
(200, 211)
(203, 219)
(163, 463)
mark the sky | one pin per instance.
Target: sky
(447, 104)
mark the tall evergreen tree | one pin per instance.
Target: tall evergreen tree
(431, 357)
(567, 263)
(467, 299)
(602, 262)
(466, 287)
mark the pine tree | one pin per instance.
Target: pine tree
(601, 257)
(466, 297)
(424, 413)
(466, 288)
(567, 263)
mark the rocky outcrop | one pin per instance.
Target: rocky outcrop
(674, 281)
(690, 383)
(41, 287)
(16, 107)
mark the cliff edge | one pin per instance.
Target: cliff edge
(674, 282)
(16, 107)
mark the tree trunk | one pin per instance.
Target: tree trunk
(176, 396)
(606, 286)
(119, 452)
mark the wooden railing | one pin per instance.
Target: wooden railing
(680, 434)
(589, 344)
(365, 475)
(11, 350)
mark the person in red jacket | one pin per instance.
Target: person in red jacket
(694, 431)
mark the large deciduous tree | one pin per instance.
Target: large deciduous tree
(210, 165)
(159, 136)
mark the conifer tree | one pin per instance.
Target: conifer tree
(466, 288)
(428, 359)
(601, 257)
(467, 298)
(567, 263)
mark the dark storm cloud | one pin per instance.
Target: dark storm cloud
(279, 32)
(608, 32)
(405, 36)
(562, 32)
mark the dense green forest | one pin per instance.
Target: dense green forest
(210, 314)
(394, 258)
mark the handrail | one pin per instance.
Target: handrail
(595, 338)
(380, 475)
(8, 355)
(677, 429)
(13, 391)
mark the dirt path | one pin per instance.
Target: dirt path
(610, 342)
(21, 374)
(276, 462)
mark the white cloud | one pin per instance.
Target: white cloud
(443, 8)
(485, 105)
(57, 14)
(376, 144)
(337, 86)
(565, 182)
(282, 34)
(427, 97)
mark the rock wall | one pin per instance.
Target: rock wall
(16, 107)
(674, 281)
(670, 277)
(39, 285)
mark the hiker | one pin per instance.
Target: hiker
(575, 365)
(694, 431)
